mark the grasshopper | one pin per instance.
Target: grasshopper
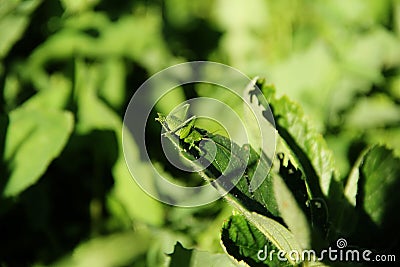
(175, 123)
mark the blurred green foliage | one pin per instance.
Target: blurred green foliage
(68, 69)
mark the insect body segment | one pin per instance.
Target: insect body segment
(192, 137)
(186, 128)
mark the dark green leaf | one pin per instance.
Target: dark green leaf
(245, 242)
(380, 180)
(372, 192)
(307, 145)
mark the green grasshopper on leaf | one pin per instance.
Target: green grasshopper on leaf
(175, 123)
(236, 164)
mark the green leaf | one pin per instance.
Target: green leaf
(118, 249)
(234, 164)
(307, 76)
(305, 216)
(77, 6)
(148, 50)
(204, 258)
(182, 257)
(95, 114)
(381, 46)
(34, 138)
(113, 89)
(209, 239)
(309, 153)
(274, 232)
(300, 144)
(351, 188)
(127, 192)
(244, 242)
(372, 190)
(229, 160)
(14, 18)
(55, 96)
(380, 173)
(292, 213)
(373, 112)
(308, 146)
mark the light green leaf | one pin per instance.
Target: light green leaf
(149, 49)
(291, 213)
(351, 188)
(76, 6)
(204, 258)
(118, 249)
(380, 45)
(12, 87)
(34, 138)
(14, 18)
(209, 239)
(95, 114)
(388, 136)
(170, 100)
(373, 112)
(55, 96)
(127, 192)
(113, 89)
(195, 258)
(305, 216)
(309, 70)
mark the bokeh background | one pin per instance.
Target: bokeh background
(69, 67)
